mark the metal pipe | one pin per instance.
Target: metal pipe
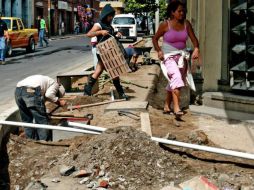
(205, 148)
(180, 144)
(51, 127)
(88, 127)
(160, 140)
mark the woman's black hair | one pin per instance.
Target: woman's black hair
(173, 6)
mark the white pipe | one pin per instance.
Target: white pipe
(205, 148)
(181, 144)
(51, 127)
(84, 126)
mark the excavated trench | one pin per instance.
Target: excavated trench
(29, 160)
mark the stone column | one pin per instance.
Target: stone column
(30, 5)
(1, 2)
(17, 8)
(7, 8)
(212, 48)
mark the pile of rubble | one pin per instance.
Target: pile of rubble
(124, 158)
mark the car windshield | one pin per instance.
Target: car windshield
(8, 23)
(124, 20)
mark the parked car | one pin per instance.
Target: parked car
(127, 25)
(20, 37)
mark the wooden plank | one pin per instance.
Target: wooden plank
(95, 104)
(145, 123)
(128, 106)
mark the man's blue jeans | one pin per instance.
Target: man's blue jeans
(32, 107)
(2, 48)
(42, 37)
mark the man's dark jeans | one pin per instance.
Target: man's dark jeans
(32, 107)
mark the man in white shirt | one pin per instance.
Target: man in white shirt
(30, 96)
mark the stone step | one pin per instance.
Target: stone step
(229, 101)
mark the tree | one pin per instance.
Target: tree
(140, 6)
(163, 9)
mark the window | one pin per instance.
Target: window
(20, 25)
(14, 25)
(8, 22)
(124, 20)
(241, 52)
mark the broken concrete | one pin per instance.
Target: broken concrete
(128, 106)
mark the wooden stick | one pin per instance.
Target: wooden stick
(95, 104)
(51, 143)
(135, 84)
(105, 82)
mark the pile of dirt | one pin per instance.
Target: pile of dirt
(131, 160)
(30, 160)
(128, 159)
(84, 100)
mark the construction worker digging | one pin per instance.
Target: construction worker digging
(30, 96)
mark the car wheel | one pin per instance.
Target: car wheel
(9, 49)
(31, 46)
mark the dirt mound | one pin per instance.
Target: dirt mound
(83, 100)
(130, 159)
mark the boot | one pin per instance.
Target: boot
(119, 89)
(89, 86)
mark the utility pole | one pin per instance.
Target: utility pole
(157, 16)
(49, 21)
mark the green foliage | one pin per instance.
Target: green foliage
(163, 9)
(140, 6)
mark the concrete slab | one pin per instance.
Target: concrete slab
(224, 127)
(60, 135)
(222, 113)
(229, 101)
(145, 123)
(128, 105)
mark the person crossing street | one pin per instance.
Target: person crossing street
(42, 29)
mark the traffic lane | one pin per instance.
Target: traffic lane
(53, 46)
(51, 65)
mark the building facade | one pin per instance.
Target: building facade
(226, 33)
(18, 8)
(62, 15)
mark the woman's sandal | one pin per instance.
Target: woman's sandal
(168, 112)
(179, 114)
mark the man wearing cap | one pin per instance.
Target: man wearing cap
(30, 96)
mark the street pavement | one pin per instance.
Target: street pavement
(63, 55)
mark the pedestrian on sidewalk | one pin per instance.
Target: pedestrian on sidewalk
(42, 31)
(102, 30)
(63, 28)
(76, 28)
(4, 39)
(175, 32)
(30, 95)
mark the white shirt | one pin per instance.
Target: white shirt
(49, 87)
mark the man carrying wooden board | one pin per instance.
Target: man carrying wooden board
(30, 96)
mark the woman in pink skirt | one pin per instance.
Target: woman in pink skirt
(175, 32)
